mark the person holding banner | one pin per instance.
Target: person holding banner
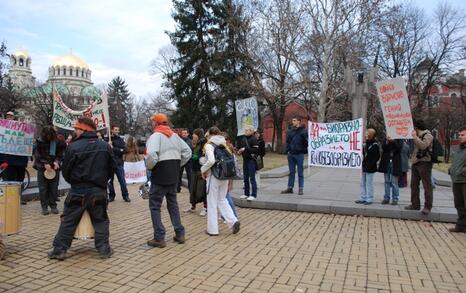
(296, 147)
(16, 170)
(87, 166)
(390, 165)
(421, 168)
(118, 145)
(48, 156)
(371, 155)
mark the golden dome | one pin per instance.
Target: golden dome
(70, 60)
(21, 53)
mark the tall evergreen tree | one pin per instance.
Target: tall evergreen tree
(10, 99)
(119, 103)
(211, 69)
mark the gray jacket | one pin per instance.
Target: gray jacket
(457, 170)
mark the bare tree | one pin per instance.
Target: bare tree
(274, 39)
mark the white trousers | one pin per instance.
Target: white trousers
(216, 200)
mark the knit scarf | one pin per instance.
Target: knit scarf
(164, 129)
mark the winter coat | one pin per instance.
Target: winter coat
(42, 154)
(296, 140)
(197, 154)
(404, 157)
(457, 170)
(422, 147)
(209, 148)
(391, 151)
(165, 156)
(251, 147)
(118, 145)
(89, 162)
(371, 154)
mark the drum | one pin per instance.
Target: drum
(85, 230)
(10, 207)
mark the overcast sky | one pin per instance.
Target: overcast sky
(118, 37)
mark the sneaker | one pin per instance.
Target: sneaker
(300, 192)
(457, 229)
(412, 208)
(244, 196)
(425, 211)
(180, 239)
(45, 212)
(236, 227)
(251, 198)
(106, 254)
(57, 254)
(394, 202)
(360, 201)
(368, 203)
(203, 212)
(288, 190)
(54, 210)
(385, 201)
(157, 243)
(189, 210)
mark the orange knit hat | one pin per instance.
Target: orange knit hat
(160, 118)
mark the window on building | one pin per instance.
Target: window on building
(21, 62)
(433, 101)
(64, 71)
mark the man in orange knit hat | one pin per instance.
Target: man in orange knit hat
(166, 153)
(87, 166)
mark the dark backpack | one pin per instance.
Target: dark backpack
(437, 151)
(224, 167)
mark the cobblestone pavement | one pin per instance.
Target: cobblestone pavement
(275, 251)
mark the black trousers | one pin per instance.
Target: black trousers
(48, 190)
(14, 173)
(93, 200)
(189, 171)
(459, 195)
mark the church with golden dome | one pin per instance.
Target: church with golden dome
(68, 71)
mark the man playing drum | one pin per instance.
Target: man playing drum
(87, 166)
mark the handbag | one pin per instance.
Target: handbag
(257, 158)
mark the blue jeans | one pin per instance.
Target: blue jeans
(120, 172)
(249, 175)
(156, 195)
(391, 182)
(232, 204)
(293, 161)
(367, 187)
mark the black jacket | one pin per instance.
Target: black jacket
(371, 156)
(296, 141)
(42, 154)
(250, 145)
(391, 151)
(88, 162)
(118, 145)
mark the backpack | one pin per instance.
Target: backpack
(437, 151)
(224, 167)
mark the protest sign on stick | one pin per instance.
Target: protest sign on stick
(337, 145)
(246, 114)
(395, 107)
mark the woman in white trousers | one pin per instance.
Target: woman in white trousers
(216, 189)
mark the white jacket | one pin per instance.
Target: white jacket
(209, 151)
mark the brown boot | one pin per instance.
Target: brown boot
(157, 243)
(300, 192)
(288, 190)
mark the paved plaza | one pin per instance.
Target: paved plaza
(275, 251)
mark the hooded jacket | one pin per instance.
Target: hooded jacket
(166, 153)
(209, 151)
(457, 170)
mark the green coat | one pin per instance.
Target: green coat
(457, 170)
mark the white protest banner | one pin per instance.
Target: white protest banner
(135, 172)
(337, 145)
(246, 114)
(395, 107)
(16, 138)
(65, 117)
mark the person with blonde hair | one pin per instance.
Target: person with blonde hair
(131, 153)
(249, 149)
